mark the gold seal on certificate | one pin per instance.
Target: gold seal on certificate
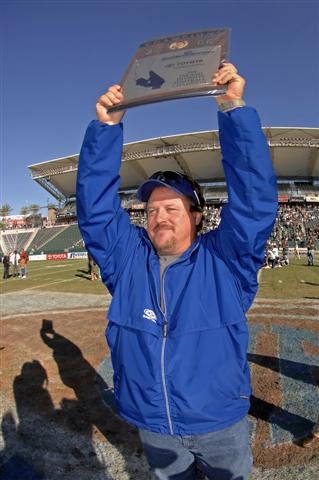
(174, 67)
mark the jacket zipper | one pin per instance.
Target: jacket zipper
(165, 331)
(165, 328)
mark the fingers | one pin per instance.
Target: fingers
(114, 96)
(235, 83)
(226, 73)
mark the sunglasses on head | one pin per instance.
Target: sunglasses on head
(167, 176)
(181, 183)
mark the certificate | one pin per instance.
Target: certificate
(174, 67)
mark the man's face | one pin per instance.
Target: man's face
(171, 225)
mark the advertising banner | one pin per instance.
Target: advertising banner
(77, 255)
(297, 199)
(312, 198)
(57, 256)
(37, 257)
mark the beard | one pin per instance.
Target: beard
(164, 246)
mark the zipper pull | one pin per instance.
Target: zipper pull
(165, 329)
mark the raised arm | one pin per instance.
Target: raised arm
(248, 217)
(105, 226)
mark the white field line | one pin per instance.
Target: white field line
(283, 315)
(40, 268)
(57, 311)
(46, 263)
(288, 301)
(54, 266)
(46, 274)
(284, 306)
(68, 266)
(38, 287)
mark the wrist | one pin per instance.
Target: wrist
(230, 104)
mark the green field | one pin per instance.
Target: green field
(296, 281)
(68, 276)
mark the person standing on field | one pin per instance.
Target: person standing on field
(177, 328)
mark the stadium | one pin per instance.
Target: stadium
(295, 158)
(44, 369)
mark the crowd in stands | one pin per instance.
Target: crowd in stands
(296, 223)
(211, 217)
(296, 226)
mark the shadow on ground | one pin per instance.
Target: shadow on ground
(44, 435)
(297, 425)
(83, 274)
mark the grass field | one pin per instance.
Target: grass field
(55, 276)
(296, 281)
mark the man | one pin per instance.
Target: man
(14, 261)
(6, 267)
(285, 250)
(24, 260)
(311, 252)
(177, 329)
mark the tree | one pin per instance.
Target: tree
(5, 210)
(53, 206)
(36, 219)
(34, 209)
(24, 211)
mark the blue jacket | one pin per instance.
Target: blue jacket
(194, 377)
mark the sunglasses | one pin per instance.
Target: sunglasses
(181, 183)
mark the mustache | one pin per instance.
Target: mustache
(162, 226)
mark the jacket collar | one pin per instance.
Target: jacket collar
(184, 255)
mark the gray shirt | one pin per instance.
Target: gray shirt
(165, 261)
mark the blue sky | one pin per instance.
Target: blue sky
(59, 56)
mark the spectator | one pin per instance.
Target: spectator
(271, 257)
(311, 252)
(22, 265)
(14, 260)
(24, 260)
(275, 256)
(93, 268)
(285, 251)
(6, 266)
(94, 271)
(90, 261)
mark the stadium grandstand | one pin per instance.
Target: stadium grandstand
(295, 158)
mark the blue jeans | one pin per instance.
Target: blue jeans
(221, 455)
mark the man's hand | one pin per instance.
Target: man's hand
(114, 96)
(227, 75)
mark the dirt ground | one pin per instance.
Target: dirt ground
(56, 422)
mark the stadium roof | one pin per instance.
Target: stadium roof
(295, 155)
